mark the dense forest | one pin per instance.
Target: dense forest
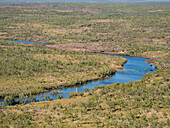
(78, 31)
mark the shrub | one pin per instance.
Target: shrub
(86, 89)
(9, 100)
(81, 94)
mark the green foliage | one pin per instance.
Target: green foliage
(71, 94)
(15, 119)
(81, 94)
(36, 69)
(86, 89)
(9, 100)
(106, 72)
(138, 29)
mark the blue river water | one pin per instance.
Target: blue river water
(135, 68)
(26, 42)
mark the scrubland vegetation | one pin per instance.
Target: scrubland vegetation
(136, 29)
(144, 103)
(34, 69)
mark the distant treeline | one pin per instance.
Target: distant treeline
(80, 1)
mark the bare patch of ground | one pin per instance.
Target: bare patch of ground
(93, 11)
(84, 47)
(155, 10)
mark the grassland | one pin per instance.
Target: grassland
(135, 29)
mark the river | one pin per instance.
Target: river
(135, 68)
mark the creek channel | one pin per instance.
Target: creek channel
(134, 69)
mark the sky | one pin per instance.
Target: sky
(37, 1)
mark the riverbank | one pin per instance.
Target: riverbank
(97, 48)
(44, 68)
(34, 90)
(142, 103)
(135, 29)
(136, 67)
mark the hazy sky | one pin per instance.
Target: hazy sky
(82, 1)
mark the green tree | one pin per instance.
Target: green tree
(9, 100)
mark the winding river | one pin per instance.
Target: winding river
(135, 68)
